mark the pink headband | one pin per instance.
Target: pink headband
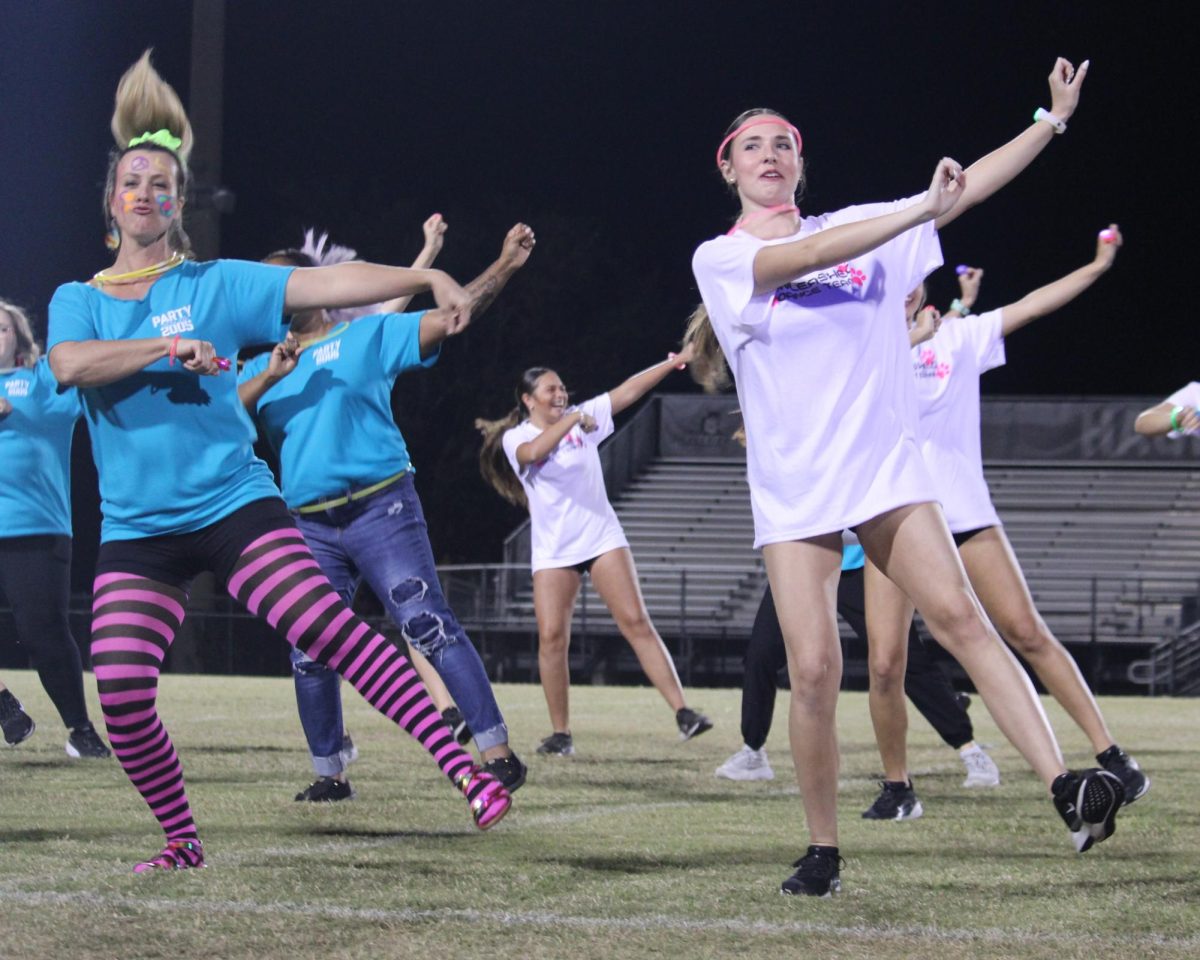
(754, 122)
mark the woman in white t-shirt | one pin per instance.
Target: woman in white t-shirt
(948, 356)
(805, 314)
(1177, 416)
(544, 455)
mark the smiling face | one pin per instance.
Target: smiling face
(145, 199)
(547, 401)
(763, 163)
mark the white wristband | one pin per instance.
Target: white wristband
(1041, 114)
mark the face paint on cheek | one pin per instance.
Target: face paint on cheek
(166, 203)
(129, 200)
(139, 163)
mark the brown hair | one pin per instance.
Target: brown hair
(27, 349)
(742, 118)
(708, 367)
(146, 103)
(493, 463)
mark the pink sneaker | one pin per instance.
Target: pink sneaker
(486, 796)
(177, 855)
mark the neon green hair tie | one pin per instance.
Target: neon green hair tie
(162, 138)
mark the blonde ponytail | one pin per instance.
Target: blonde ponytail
(708, 367)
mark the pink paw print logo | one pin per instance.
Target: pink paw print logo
(928, 358)
(942, 371)
(857, 277)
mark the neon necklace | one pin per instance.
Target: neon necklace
(306, 342)
(142, 273)
(759, 214)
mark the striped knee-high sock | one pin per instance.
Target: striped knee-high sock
(134, 621)
(278, 579)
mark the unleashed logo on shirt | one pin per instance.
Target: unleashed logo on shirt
(926, 365)
(174, 322)
(327, 352)
(844, 276)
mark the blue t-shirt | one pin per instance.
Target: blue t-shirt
(35, 452)
(330, 419)
(173, 448)
(853, 557)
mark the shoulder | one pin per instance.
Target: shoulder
(720, 250)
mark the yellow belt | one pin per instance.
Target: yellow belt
(320, 506)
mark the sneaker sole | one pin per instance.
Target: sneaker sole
(29, 733)
(74, 754)
(979, 784)
(752, 775)
(835, 886)
(694, 731)
(1099, 798)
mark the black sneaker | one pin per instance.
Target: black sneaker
(16, 723)
(509, 770)
(458, 725)
(1122, 766)
(557, 745)
(85, 742)
(327, 790)
(690, 723)
(818, 874)
(1088, 802)
(896, 801)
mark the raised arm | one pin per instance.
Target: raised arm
(356, 283)
(777, 264)
(437, 325)
(637, 386)
(435, 230)
(1054, 295)
(282, 362)
(95, 363)
(991, 172)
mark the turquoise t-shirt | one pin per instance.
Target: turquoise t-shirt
(173, 448)
(853, 557)
(330, 419)
(35, 452)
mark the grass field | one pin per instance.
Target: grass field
(630, 849)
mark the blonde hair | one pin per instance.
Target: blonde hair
(146, 103)
(28, 350)
(708, 367)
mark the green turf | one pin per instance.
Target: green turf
(630, 849)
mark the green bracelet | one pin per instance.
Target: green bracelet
(957, 306)
(1175, 412)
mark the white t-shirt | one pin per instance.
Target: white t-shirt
(823, 377)
(1188, 396)
(947, 368)
(571, 518)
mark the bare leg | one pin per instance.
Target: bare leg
(912, 545)
(889, 615)
(433, 683)
(615, 580)
(554, 593)
(804, 578)
(997, 579)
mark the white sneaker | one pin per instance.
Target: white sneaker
(981, 769)
(746, 764)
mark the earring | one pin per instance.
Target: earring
(112, 239)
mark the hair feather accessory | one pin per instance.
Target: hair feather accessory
(326, 254)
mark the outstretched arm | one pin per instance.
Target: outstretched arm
(356, 283)
(777, 264)
(1167, 417)
(991, 172)
(1062, 291)
(95, 363)
(435, 230)
(637, 386)
(437, 325)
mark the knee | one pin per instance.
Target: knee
(553, 642)
(886, 671)
(958, 622)
(814, 675)
(425, 631)
(1029, 635)
(637, 628)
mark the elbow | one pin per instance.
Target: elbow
(1140, 426)
(65, 365)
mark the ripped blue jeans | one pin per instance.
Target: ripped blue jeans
(383, 540)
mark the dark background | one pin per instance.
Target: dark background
(596, 123)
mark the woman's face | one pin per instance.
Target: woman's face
(146, 195)
(548, 400)
(8, 340)
(764, 165)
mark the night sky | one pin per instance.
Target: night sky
(596, 123)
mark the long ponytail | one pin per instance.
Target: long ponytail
(708, 367)
(493, 461)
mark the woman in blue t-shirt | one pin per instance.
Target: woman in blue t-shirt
(37, 420)
(146, 341)
(323, 399)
